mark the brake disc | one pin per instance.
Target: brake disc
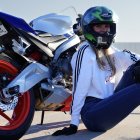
(9, 106)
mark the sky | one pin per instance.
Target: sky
(128, 11)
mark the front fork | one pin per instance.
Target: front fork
(29, 77)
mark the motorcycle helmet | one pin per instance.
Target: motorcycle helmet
(99, 15)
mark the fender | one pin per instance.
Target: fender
(30, 76)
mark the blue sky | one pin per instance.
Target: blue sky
(128, 27)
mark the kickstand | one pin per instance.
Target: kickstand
(42, 117)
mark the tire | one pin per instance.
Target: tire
(20, 118)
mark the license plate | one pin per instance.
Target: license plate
(3, 30)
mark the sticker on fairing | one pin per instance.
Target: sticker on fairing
(3, 31)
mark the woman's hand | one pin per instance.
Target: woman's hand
(72, 129)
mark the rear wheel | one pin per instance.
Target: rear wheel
(14, 123)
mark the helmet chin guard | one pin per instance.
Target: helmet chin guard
(103, 42)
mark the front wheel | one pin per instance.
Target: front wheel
(14, 123)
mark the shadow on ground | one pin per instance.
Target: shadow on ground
(83, 134)
(38, 127)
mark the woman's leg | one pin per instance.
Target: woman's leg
(127, 79)
(101, 115)
(130, 76)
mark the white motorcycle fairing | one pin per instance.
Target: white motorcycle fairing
(58, 24)
(30, 76)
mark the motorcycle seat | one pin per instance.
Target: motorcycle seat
(54, 45)
(53, 42)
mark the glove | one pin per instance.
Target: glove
(72, 129)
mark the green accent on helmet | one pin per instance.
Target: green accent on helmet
(90, 37)
(97, 14)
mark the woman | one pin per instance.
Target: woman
(97, 70)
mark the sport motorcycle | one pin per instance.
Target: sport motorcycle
(35, 69)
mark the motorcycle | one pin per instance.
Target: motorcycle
(35, 70)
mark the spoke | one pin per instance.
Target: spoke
(5, 116)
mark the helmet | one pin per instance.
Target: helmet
(99, 15)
